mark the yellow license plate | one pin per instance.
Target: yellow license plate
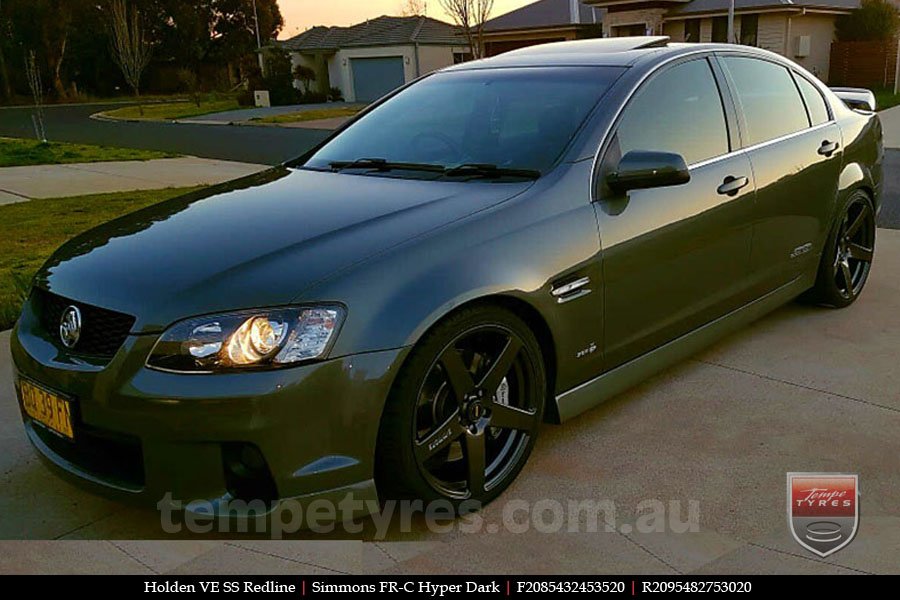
(48, 409)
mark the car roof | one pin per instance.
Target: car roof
(606, 52)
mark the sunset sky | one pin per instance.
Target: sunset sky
(300, 15)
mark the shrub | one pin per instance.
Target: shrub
(313, 98)
(874, 20)
(304, 75)
(335, 94)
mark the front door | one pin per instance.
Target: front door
(677, 257)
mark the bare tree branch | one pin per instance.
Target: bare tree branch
(413, 8)
(131, 49)
(470, 16)
(33, 74)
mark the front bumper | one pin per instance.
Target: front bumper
(150, 436)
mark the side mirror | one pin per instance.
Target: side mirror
(643, 169)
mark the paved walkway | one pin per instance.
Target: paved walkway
(804, 389)
(18, 184)
(890, 119)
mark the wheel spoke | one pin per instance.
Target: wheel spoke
(440, 438)
(860, 252)
(853, 229)
(476, 464)
(501, 366)
(848, 276)
(510, 417)
(458, 375)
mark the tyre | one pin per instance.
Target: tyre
(847, 258)
(465, 411)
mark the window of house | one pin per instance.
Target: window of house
(637, 29)
(769, 98)
(680, 110)
(749, 29)
(815, 103)
(720, 30)
(461, 57)
(692, 30)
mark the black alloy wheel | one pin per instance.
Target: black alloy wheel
(470, 402)
(855, 248)
(848, 255)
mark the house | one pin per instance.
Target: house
(368, 60)
(540, 23)
(801, 30)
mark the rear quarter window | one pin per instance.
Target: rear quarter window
(815, 103)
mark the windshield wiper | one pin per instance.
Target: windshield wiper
(488, 171)
(381, 164)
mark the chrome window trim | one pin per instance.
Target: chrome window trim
(777, 140)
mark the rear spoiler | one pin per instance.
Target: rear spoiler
(856, 98)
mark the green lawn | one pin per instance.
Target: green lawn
(886, 99)
(19, 153)
(310, 115)
(31, 231)
(170, 111)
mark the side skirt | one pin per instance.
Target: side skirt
(600, 389)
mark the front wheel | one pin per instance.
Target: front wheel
(847, 259)
(464, 414)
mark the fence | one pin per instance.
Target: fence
(864, 64)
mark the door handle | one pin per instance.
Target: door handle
(828, 148)
(733, 185)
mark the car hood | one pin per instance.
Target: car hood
(256, 242)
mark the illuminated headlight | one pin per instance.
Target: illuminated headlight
(248, 340)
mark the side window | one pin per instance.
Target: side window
(815, 103)
(768, 97)
(679, 110)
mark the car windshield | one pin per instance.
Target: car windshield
(491, 123)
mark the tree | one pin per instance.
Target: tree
(874, 20)
(233, 27)
(43, 26)
(131, 49)
(414, 8)
(470, 16)
(33, 75)
(305, 75)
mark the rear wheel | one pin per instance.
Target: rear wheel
(847, 259)
(465, 412)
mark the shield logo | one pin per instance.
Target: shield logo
(70, 327)
(823, 510)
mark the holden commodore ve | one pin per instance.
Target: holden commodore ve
(501, 243)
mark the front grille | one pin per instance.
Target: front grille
(113, 458)
(102, 331)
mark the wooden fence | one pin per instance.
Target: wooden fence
(864, 64)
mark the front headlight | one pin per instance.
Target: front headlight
(248, 339)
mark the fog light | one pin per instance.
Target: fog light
(247, 475)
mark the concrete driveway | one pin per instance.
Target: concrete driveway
(804, 389)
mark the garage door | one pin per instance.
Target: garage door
(375, 77)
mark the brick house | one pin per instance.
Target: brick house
(801, 30)
(542, 22)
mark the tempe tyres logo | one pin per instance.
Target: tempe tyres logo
(823, 510)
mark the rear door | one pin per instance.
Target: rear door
(376, 77)
(675, 258)
(794, 146)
